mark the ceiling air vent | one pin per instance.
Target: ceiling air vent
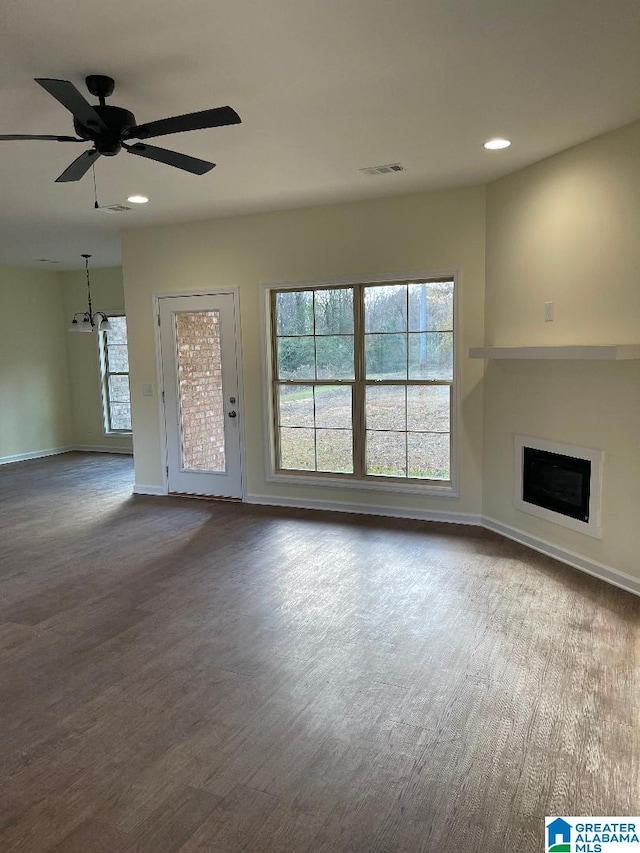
(115, 208)
(383, 170)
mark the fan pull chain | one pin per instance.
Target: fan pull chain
(95, 190)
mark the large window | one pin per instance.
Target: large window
(363, 381)
(114, 363)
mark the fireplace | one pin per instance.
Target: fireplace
(559, 482)
(556, 482)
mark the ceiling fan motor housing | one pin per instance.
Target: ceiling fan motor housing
(108, 141)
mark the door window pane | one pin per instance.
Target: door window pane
(200, 396)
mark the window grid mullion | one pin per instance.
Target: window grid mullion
(106, 402)
(406, 429)
(275, 389)
(315, 430)
(406, 436)
(107, 374)
(406, 329)
(315, 370)
(359, 419)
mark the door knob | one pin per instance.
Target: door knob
(232, 414)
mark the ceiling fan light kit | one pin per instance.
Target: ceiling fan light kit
(112, 128)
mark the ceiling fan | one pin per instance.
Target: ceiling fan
(112, 128)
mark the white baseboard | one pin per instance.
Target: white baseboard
(91, 448)
(34, 454)
(140, 489)
(56, 451)
(366, 509)
(591, 567)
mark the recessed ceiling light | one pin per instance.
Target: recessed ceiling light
(138, 199)
(491, 144)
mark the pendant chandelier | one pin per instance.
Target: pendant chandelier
(90, 321)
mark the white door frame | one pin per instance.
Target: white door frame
(210, 291)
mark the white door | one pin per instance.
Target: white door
(198, 343)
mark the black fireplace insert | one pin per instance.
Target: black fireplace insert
(556, 482)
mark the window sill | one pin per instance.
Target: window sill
(118, 434)
(446, 490)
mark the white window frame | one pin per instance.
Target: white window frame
(104, 380)
(448, 488)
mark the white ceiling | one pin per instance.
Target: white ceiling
(323, 87)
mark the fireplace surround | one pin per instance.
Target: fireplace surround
(561, 483)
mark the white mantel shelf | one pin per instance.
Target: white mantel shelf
(614, 352)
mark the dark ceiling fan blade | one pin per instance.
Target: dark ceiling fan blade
(31, 136)
(66, 93)
(79, 166)
(218, 117)
(171, 158)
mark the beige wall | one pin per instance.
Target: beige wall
(107, 295)
(566, 230)
(34, 393)
(397, 236)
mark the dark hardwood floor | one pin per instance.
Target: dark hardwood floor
(182, 675)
